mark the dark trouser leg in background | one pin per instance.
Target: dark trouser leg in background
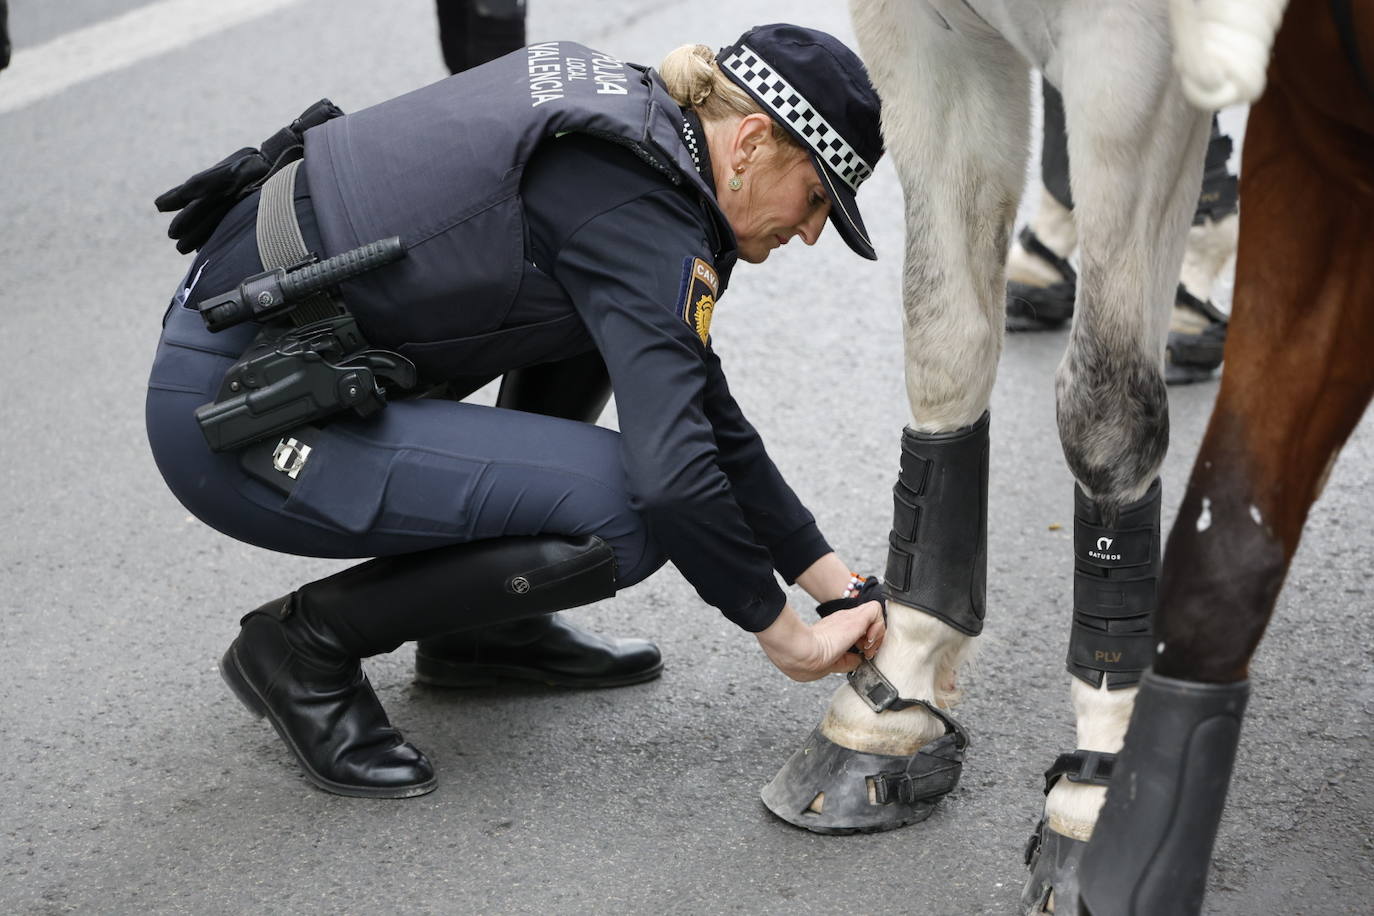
(296, 659)
(472, 32)
(543, 649)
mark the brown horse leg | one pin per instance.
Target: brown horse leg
(1298, 377)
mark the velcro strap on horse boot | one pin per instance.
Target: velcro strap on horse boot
(871, 590)
(1153, 839)
(937, 556)
(1092, 768)
(1115, 578)
(827, 788)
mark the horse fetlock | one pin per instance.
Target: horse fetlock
(1103, 714)
(920, 656)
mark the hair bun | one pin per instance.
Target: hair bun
(690, 74)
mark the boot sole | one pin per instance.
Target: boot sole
(248, 695)
(434, 673)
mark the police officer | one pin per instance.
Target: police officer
(552, 203)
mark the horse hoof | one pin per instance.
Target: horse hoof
(827, 788)
(1053, 884)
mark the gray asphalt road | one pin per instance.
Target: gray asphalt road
(132, 780)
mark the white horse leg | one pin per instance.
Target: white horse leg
(1135, 148)
(955, 112)
(955, 119)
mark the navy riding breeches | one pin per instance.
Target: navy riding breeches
(419, 474)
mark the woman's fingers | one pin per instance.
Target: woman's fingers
(850, 628)
(805, 653)
(876, 633)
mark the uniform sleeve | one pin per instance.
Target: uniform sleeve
(624, 271)
(777, 517)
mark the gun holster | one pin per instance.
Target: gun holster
(309, 361)
(290, 376)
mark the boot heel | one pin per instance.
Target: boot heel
(228, 669)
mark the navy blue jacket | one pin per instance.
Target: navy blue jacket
(541, 223)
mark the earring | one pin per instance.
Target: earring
(735, 181)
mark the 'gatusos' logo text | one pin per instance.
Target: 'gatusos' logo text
(1104, 545)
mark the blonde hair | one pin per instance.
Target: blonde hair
(694, 81)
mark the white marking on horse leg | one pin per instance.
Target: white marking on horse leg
(1103, 715)
(1204, 518)
(920, 656)
(1255, 514)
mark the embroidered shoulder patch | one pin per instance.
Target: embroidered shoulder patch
(697, 300)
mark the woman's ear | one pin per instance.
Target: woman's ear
(753, 141)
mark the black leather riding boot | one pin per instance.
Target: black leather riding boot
(548, 650)
(296, 660)
(290, 667)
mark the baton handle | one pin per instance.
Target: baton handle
(313, 278)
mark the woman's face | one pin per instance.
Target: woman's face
(781, 196)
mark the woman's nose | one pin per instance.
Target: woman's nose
(810, 230)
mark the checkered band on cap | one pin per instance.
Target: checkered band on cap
(791, 107)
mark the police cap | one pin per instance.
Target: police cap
(819, 91)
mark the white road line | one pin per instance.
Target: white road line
(36, 73)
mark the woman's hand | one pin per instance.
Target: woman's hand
(806, 653)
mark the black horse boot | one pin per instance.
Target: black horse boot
(548, 650)
(296, 660)
(290, 667)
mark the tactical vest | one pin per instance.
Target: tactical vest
(441, 168)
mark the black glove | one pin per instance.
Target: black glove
(871, 590)
(207, 196)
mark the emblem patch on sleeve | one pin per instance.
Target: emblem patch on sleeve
(698, 298)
